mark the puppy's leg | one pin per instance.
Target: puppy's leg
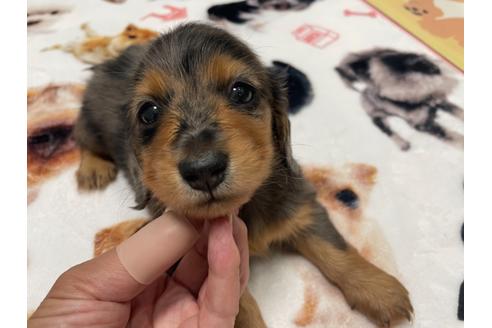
(249, 313)
(89, 32)
(441, 132)
(96, 170)
(368, 289)
(382, 124)
(452, 109)
(373, 106)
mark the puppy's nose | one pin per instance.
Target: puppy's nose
(206, 172)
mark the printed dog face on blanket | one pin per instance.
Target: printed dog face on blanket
(406, 85)
(95, 49)
(345, 192)
(52, 111)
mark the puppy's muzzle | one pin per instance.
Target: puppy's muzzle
(206, 171)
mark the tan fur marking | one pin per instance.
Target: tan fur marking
(249, 313)
(153, 84)
(378, 295)
(222, 69)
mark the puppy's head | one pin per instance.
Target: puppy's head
(209, 121)
(423, 8)
(132, 35)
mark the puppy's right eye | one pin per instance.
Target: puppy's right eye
(241, 93)
(149, 113)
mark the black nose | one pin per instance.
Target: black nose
(205, 172)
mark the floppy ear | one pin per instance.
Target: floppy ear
(280, 118)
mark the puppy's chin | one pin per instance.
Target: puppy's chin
(208, 208)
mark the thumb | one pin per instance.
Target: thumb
(122, 273)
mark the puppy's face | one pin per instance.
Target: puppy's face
(202, 116)
(423, 8)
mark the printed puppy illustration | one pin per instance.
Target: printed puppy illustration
(226, 147)
(344, 192)
(243, 11)
(52, 111)
(95, 49)
(432, 19)
(402, 84)
(41, 18)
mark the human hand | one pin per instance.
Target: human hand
(204, 290)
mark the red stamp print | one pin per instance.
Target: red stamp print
(172, 13)
(316, 36)
(348, 12)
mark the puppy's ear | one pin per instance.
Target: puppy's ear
(130, 27)
(280, 118)
(134, 175)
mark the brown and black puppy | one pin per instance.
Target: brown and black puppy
(197, 123)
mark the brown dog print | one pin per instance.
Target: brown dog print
(96, 48)
(345, 192)
(51, 111)
(433, 19)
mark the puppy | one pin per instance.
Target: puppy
(197, 123)
(242, 11)
(406, 85)
(96, 49)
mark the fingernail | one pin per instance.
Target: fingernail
(157, 246)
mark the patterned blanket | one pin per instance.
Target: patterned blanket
(381, 139)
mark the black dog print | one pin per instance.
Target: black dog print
(402, 84)
(299, 90)
(242, 11)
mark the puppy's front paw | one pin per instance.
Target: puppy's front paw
(95, 173)
(379, 296)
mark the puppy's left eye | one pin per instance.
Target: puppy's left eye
(241, 93)
(149, 113)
